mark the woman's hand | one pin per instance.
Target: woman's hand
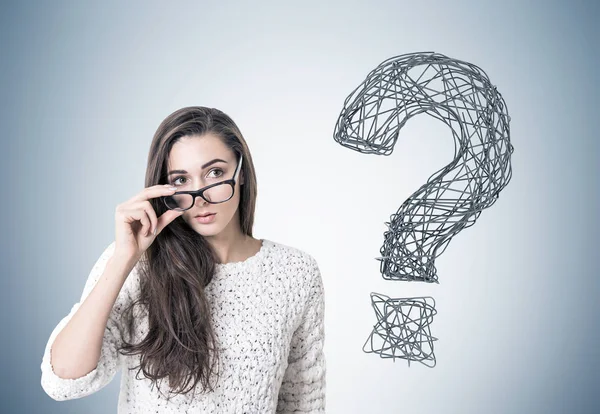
(136, 222)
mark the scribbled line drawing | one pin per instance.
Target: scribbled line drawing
(459, 94)
(403, 328)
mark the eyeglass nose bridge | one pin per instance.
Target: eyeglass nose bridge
(199, 194)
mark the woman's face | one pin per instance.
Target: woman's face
(188, 156)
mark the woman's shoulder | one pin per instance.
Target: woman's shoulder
(291, 255)
(299, 265)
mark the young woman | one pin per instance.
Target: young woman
(186, 295)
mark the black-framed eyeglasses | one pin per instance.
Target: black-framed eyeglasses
(214, 193)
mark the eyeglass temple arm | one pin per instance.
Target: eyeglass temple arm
(239, 168)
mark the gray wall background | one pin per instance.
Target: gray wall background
(85, 85)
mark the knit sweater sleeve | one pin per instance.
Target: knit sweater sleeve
(304, 381)
(61, 389)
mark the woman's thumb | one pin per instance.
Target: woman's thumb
(166, 218)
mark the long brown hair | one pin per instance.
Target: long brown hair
(180, 343)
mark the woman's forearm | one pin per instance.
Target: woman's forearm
(76, 350)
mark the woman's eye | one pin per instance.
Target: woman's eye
(217, 169)
(175, 180)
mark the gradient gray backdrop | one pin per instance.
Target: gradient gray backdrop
(86, 84)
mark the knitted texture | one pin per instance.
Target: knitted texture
(268, 315)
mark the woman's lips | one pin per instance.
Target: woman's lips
(206, 219)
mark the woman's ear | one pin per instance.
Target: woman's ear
(241, 177)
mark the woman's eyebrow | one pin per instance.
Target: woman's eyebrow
(203, 167)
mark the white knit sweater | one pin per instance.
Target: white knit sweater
(268, 316)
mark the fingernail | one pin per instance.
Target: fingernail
(155, 230)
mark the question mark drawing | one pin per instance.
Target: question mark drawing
(461, 95)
